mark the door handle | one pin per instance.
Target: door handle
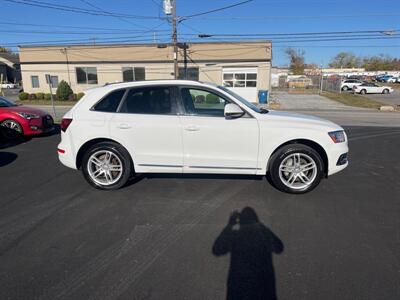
(192, 128)
(123, 126)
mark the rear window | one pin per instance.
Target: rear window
(110, 102)
(148, 100)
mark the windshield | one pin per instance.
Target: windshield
(241, 99)
(6, 103)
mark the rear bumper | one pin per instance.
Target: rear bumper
(65, 152)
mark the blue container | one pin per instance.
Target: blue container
(263, 97)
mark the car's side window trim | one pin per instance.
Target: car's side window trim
(174, 107)
(106, 95)
(202, 88)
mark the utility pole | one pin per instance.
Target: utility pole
(66, 57)
(175, 39)
(185, 59)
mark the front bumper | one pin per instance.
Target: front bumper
(338, 158)
(44, 124)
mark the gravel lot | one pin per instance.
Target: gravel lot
(61, 239)
(308, 102)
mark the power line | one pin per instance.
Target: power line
(217, 9)
(119, 18)
(72, 27)
(266, 18)
(76, 9)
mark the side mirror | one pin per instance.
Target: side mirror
(233, 111)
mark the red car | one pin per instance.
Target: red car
(17, 120)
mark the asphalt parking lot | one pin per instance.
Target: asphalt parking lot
(390, 99)
(157, 237)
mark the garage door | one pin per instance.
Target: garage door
(242, 81)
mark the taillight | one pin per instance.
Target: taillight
(65, 124)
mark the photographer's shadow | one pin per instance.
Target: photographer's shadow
(251, 245)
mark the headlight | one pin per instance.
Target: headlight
(337, 136)
(28, 116)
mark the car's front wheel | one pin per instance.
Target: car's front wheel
(385, 91)
(363, 92)
(12, 129)
(345, 88)
(296, 169)
(107, 166)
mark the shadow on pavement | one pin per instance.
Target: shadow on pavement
(251, 245)
(7, 143)
(7, 158)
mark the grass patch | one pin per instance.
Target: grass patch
(353, 100)
(46, 102)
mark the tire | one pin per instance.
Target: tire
(345, 88)
(12, 129)
(363, 92)
(99, 173)
(285, 159)
(385, 91)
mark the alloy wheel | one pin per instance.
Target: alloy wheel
(104, 167)
(12, 129)
(298, 171)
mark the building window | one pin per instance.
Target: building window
(192, 73)
(240, 80)
(35, 81)
(54, 81)
(86, 75)
(133, 74)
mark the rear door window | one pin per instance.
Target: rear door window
(149, 100)
(110, 102)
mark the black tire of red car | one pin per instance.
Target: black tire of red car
(281, 154)
(123, 156)
(11, 134)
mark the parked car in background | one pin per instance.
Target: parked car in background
(18, 120)
(118, 130)
(393, 80)
(372, 88)
(348, 84)
(385, 78)
(7, 85)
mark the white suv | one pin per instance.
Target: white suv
(180, 126)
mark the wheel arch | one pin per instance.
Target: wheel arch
(82, 150)
(314, 145)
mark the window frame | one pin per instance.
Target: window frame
(86, 75)
(105, 96)
(38, 82)
(221, 95)
(172, 91)
(133, 70)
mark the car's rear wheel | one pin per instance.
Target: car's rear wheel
(107, 166)
(385, 91)
(12, 129)
(345, 88)
(296, 169)
(363, 92)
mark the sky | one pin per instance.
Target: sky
(144, 22)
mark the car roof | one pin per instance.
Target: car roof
(120, 85)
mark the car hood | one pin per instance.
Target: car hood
(25, 109)
(291, 119)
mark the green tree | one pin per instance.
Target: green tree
(297, 60)
(64, 91)
(345, 60)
